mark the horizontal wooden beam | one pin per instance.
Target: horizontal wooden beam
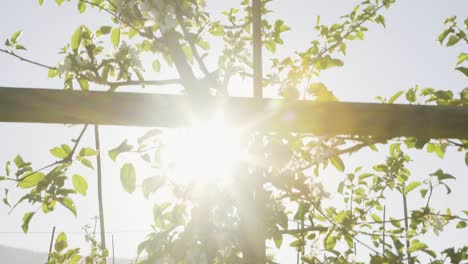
(142, 109)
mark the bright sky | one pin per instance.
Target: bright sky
(396, 58)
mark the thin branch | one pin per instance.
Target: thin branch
(65, 160)
(457, 144)
(21, 58)
(304, 230)
(196, 55)
(118, 18)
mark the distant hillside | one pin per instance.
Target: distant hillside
(9, 255)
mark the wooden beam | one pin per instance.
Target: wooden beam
(139, 109)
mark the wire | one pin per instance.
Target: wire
(76, 232)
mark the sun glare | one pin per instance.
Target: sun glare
(202, 153)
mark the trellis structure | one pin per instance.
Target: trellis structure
(380, 121)
(156, 110)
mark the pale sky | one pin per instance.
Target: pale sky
(388, 60)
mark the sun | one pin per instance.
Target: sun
(203, 153)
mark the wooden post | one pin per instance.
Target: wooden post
(255, 192)
(257, 47)
(383, 232)
(99, 189)
(113, 252)
(51, 243)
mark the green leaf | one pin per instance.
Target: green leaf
(84, 84)
(395, 222)
(41, 2)
(462, 57)
(132, 33)
(380, 20)
(59, 152)
(76, 38)
(463, 70)
(376, 218)
(31, 180)
(87, 163)
(8, 168)
(442, 176)
(423, 192)
(337, 162)
(395, 97)
(61, 242)
(53, 73)
(59, 2)
(416, 247)
(115, 37)
(278, 239)
(329, 241)
(128, 177)
(270, 46)
(26, 219)
(297, 243)
(81, 7)
(461, 224)
(19, 47)
(16, 35)
(156, 66)
(152, 184)
(466, 158)
(430, 253)
(103, 30)
(88, 152)
(452, 40)
(69, 204)
(5, 198)
(411, 187)
(19, 162)
(123, 147)
(80, 184)
(203, 44)
(149, 134)
(444, 35)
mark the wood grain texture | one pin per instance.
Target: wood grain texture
(138, 109)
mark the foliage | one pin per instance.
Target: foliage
(205, 223)
(64, 255)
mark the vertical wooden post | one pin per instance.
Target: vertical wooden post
(383, 232)
(257, 47)
(99, 188)
(256, 192)
(51, 243)
(113, 252)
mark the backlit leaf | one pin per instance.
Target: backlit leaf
(128, 177)
(80, 184)
(411, 187)
(69, 204)
(31, 180)
(76, 38)
(115, 37)
(61, 242)
(26, 220)
(123, 147)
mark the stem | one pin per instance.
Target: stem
(11, 53)
(99, 186)
(405, 208)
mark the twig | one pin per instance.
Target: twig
(11, 53)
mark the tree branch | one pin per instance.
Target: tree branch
(11, 53)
